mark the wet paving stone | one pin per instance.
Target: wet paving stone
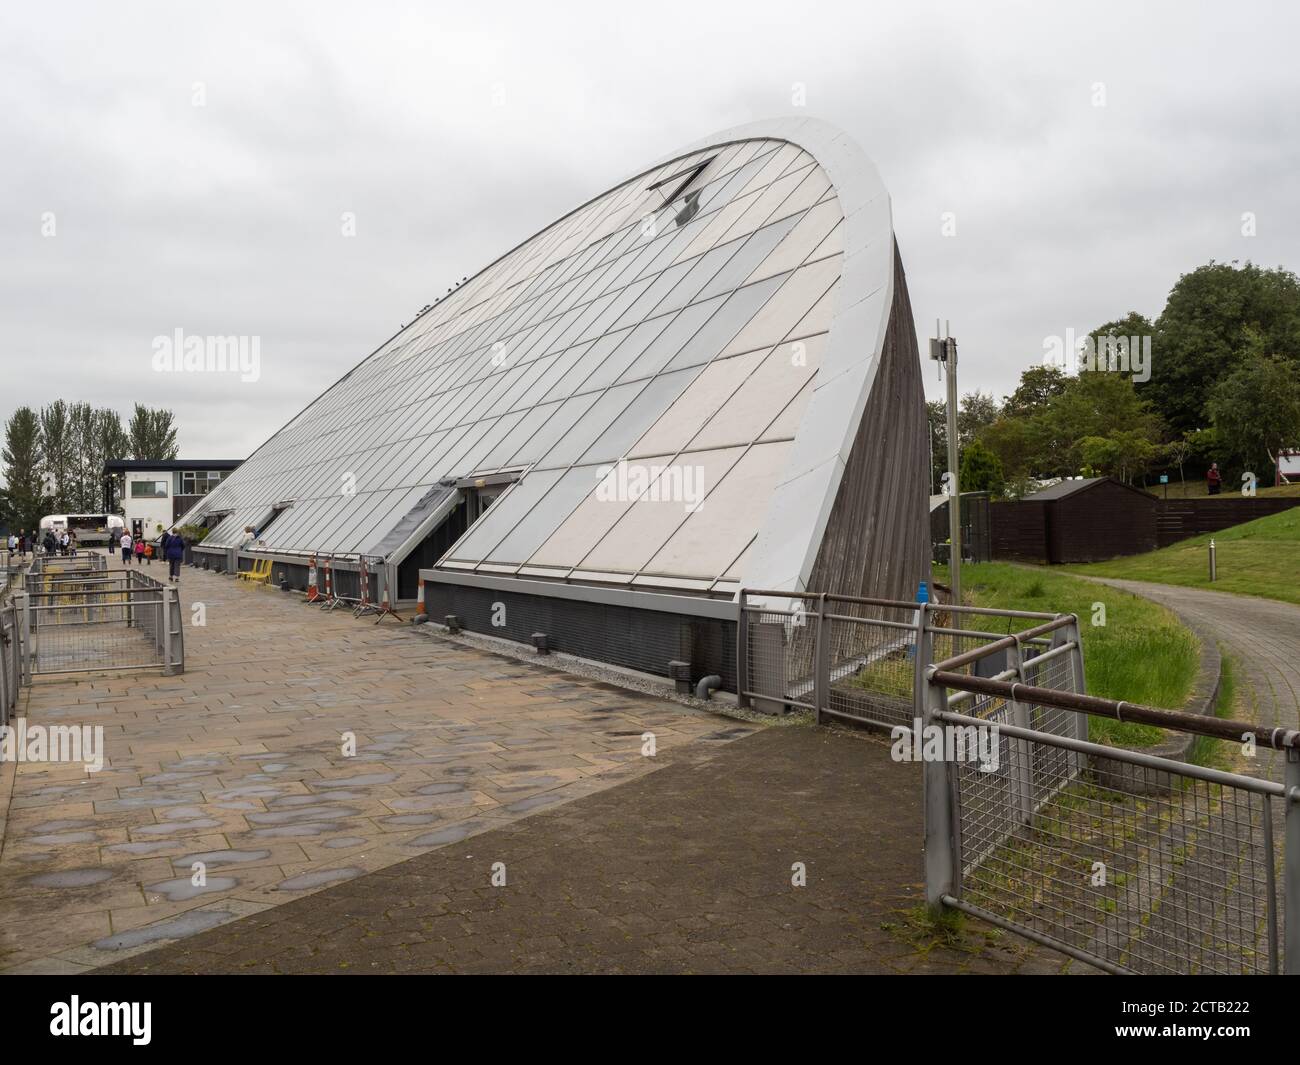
(71, 878)
(244, 753)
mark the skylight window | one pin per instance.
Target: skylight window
(676, 185)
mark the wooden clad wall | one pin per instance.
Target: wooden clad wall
(1018, 531)
(877, 539)
(1179, 519)
(1104, 521)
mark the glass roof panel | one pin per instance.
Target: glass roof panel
(633, 330)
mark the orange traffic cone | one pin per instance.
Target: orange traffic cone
(384, 607)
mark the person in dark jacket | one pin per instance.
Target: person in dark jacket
(1213, 479)
(173, 549)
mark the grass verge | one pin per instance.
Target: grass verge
(1216, 754)
(1133, 648)
(1259, 557)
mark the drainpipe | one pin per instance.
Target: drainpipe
(708, 684)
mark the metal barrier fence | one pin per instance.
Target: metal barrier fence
(65, 565)
(855, 659)
(1130, 862)
(88, 620)
(10, 664)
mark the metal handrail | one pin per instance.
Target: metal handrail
(1277, 739)
(1124, 754)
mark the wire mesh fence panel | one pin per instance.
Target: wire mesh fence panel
(779, 652)
(871, 662)
(1052, 767)
(91, 622)
(1155, 871)
(81, 600)
(63, 642)
(9, 665)
(176, 647)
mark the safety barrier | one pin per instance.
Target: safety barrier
(1128, 861)
(95, 621)
(10, 660)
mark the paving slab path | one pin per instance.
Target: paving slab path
(690, 869)
(299, 749)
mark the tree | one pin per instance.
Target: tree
(1178, 451)
(1038, 385)
(153, 433)
(980, 470)
(22, 468)
(1256, 408)
(96, 436)
(79, 493)
(1013, 441)
(1101, 405)
(111, 440)
(1204, 327)
(57, 450)
(976, 412)
(936, 415)
(1121, 454)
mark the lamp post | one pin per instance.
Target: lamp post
(943, 350)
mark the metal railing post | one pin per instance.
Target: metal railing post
(6, 661)
(22, 603)
(937, 786)
(1078, 678)
(821, 662)
(165, 620)
(922, 652)
(742, 650)
(1291, 869)
(178, 637)
(1024, 781)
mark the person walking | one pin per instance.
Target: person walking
(139, 551)
(1213, 479)
(173, 545)
(125, 544)
(22, 543)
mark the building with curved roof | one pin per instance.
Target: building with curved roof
(704, 378)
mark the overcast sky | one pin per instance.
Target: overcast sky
(195, 162)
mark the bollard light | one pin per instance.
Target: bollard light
(1214, 569)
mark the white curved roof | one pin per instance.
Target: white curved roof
(676, 377)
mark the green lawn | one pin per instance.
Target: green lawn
(1260, 557)
(1142, 653)
(1198, 489)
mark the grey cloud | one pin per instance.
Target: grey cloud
(225, 219)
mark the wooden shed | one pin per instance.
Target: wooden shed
(1096, 518)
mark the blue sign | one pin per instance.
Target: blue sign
(1164, 478)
